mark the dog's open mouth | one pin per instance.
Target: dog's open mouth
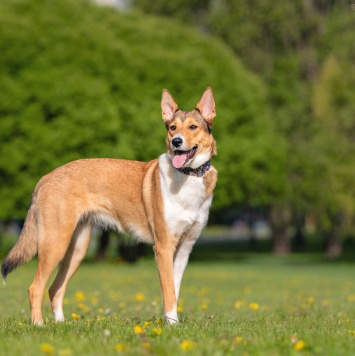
(181, 157)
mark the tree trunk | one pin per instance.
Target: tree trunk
(333, 238)
(299, 241)
(280, 217)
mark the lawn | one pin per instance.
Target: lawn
(255, 305)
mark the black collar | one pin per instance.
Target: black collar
(199, 171)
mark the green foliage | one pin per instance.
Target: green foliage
(290, 45)
(334, 105)
(83, 81)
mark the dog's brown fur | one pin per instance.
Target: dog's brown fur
(146, 199)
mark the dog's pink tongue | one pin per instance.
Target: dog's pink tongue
(179, 160)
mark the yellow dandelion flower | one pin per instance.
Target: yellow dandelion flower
(146, 323)
(180, 306)
(254, 306)
(299, 345)
(238, 304)
(203, 291)
(352, 332)
(351, 298)
(187, 345)
(138, 330)
(75, 316)
(65, 352)
(79, 296)
(157, 331)
(311, 300)
(93, 300)
(140, 297)
(238, 340)
(160, 321)
(84, 307)
(47, 349)
(204, 306)
(19, 323)
(121, 347)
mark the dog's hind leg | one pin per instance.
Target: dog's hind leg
(53, 244)
(72, 259)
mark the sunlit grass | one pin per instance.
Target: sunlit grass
(255, 307)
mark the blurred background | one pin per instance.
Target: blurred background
(84, 79)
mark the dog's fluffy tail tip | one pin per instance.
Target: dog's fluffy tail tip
(5, 270)
(3, 274)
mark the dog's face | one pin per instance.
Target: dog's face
(189, 140)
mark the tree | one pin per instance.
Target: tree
(83, 81)
(334, 104)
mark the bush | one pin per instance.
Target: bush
(83, 81)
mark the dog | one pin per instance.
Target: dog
(165, 202)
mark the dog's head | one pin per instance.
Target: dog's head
(189, 141)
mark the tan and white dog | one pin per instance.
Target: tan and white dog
(165, 202)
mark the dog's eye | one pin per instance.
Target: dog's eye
(192, 127)
(172, 127)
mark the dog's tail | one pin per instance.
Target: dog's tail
(26, 246)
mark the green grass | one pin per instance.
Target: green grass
(258, 305)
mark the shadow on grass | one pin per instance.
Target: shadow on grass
(234, 251)
(245, 251)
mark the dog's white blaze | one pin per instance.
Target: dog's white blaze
(184, 199)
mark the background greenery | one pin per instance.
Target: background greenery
(303, 52)
(81, 81)
(78, 80)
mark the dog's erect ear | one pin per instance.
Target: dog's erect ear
(206, 106)
(168, 106)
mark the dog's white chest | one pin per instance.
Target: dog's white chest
(184, 198)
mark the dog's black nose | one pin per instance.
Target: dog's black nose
(177, 141)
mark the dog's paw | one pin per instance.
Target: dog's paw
(171, 321)
(171, 317)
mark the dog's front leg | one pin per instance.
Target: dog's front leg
(180, 262)
(164, 256)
